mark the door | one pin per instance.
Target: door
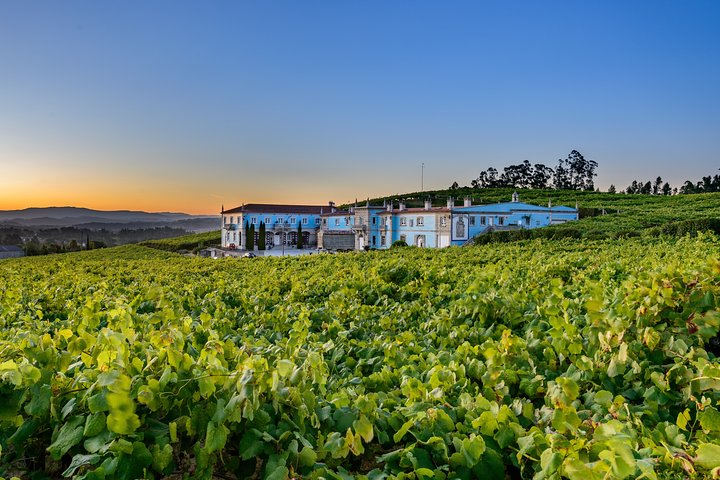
(420, 241)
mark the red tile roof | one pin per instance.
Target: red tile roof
(273, 208)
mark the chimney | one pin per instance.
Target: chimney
(450, 202)
(352, 209)
(549, 203)
(515, 197)
(384, 203)
(367, 203)
(389, 206)
(402, 205)
(467, 202)
(428, 204)
(332, 207)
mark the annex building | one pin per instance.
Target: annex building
(378, 226)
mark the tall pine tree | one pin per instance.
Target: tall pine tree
(300, 238)
(250, 242)
(261, 237)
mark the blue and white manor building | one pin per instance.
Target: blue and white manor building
(378, 226)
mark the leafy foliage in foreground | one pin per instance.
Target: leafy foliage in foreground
(540, 360)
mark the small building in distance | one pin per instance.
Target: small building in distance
(11, 251)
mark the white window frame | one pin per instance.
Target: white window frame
(403, 221)
(420, 221)
(267, 220)
(253, 220)
(337, 222)
(305, 221)
(443, 221)
(317, 221)
(483, 220)
(292, 220)
(472, 220)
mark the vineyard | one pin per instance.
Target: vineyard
(546, 360)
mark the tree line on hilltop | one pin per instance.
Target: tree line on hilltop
(577, 173)
(571, 173)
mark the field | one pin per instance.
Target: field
(579, 360)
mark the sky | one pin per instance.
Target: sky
(188, 106)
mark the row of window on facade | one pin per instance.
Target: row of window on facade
(268, 220)
(290, 237)
(404, 221)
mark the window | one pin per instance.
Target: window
(337, 221)
(411, 222)
(317, 221)
(420, 221)
(483, 220)
(373, 220)
(443, 221)
(231, 219)
(324, 221)
(501, 220)
(358, 220)
(292, 219)
(254, 220)
(267, 220)
(347, 220)
(305, 221)
(403, 221)
(472, 220)
(374, 240)
(382, 240)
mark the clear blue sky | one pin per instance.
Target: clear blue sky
(188, 105)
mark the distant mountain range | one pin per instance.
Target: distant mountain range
(109, 219)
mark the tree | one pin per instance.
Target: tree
(261, 237)
(611, 189)
(580, 171)
(454, 186)
(540, 177)
(634, 187)
(247, 234)
(657, 186)
(299, 235)
(688, 187)
(250, 241)
(666, 189)
(561, 179)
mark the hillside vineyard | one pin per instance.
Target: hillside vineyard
(533, 359)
